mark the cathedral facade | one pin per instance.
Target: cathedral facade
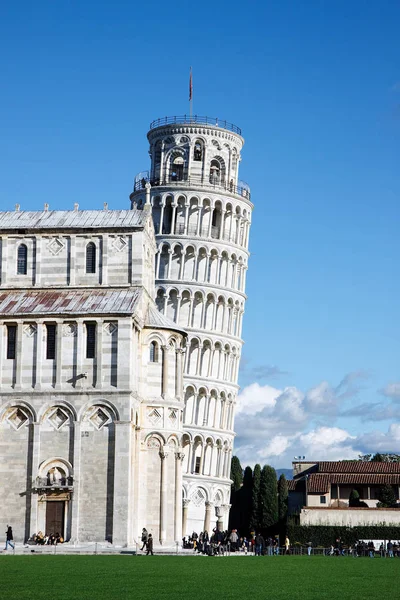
(120, 341)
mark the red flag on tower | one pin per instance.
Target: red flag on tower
(190, 85)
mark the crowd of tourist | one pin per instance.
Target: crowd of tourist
(223, 542)
(47, 539)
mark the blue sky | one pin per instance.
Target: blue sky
(315, 87)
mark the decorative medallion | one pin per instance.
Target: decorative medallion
(55, 246)
(30, 330)
(155, 416)
(18, 418)
(99, 418)
(110, 327)
(198, 498)
(119, 244)
(69, 330)
(153, 443)
(58, 417)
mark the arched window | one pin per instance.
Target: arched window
(177, 169)
(22, 260)
(198, 151)
(153, 352)
(215, 172)
(91, 258)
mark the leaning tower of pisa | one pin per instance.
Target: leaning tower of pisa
(202, 214)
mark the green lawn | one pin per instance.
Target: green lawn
(218, 578)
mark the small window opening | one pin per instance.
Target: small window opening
(91, 258)
(197, 466)
(197, 154)
(153, 352)
(90, 340)
(51, 341)
(22, 261)
(322, 499)
(11, 340)
(177, 169)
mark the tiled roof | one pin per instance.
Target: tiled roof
(73, 219)
(358, 466)
(69, 302)
(157, 320)
(319, 483)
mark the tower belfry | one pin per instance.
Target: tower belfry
(202, 214)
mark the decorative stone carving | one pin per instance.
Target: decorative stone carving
(69, 330)
(55, 246)
(198, 497)
(99, 417)
(110, 327)
(154, 415)
(30, 330)
(17, 418)
(153, 443)
(119, 243)
(58, 417)
(173, 416)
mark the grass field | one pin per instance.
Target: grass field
(217, 578)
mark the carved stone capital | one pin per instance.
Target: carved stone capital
(186, 502)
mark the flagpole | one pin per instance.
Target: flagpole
(191, 95)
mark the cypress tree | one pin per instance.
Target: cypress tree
(282, 500)
(245, 499)
(255, 515)
(268, 502)
(236, 474)
(237, 479)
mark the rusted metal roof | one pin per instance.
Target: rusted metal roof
(157, 320)
(73, 219)
(69, 302)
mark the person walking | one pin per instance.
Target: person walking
(150, 545)
(9, 538)
(309, 548)
(145, 536)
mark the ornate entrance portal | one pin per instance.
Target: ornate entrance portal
(55, 511)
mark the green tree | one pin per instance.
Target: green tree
(255, 496)
(282, 499)
(236, 474)
(354, 498)
(237, 480)
(387, 498)
(246, 501)
(268, 500)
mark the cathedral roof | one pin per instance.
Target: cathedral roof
(69, 302)
(73, 219)
(157, 320)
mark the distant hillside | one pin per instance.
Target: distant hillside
(288, 473)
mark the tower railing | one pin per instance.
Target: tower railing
(197, 182)
(195, 120)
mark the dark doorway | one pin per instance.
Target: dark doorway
(55, 517)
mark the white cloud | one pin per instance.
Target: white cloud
(275, 425)
(255, 397)
(392, 390)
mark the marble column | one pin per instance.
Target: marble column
(38, 260)
(186, 503)
(163, 495)
(35, 471)
(179, 456)
(164, 386)
(18, 357)
(99, 352)
(39, 355)
(207, 516)
(122, 483)
(4, 258)
(59, 340)
(77, 478)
